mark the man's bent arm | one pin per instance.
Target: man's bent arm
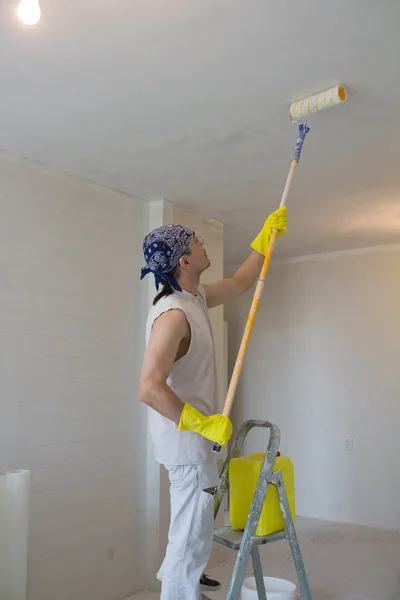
(169, 330)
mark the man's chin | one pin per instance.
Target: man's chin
(207, 264)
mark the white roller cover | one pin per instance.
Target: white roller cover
(302, 108)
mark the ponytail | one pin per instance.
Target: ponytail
(167, 288)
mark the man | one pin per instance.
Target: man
(179, 383)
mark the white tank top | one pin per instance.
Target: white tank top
(193, 378)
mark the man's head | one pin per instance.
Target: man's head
(173, 253)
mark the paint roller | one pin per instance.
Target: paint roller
(299, 110)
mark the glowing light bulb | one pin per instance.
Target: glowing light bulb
(29, 11)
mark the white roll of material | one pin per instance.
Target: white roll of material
(14, 530)
(331, 97)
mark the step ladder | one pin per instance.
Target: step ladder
(246, 542)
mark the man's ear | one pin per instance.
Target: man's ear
(183, 262)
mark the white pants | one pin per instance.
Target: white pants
(191, 530)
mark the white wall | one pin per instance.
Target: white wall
(324, 364)
(71, 342)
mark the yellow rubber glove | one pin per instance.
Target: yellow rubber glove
(276, 220)
(216, 428)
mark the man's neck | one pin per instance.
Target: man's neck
(189, 286)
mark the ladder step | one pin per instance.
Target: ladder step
(232, 539)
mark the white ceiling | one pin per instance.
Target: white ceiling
(188, 100)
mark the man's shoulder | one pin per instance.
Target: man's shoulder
(169, 307)
(171, 321)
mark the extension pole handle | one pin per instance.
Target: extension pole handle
(256, 301)
(247, 333)
(254, 305)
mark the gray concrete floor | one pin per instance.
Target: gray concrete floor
(343, 562)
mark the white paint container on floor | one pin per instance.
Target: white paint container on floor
(277, 589)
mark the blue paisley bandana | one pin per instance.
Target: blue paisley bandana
(162, 249)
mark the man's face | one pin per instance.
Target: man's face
(197, 259)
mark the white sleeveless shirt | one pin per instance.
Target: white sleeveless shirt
(193, 378)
